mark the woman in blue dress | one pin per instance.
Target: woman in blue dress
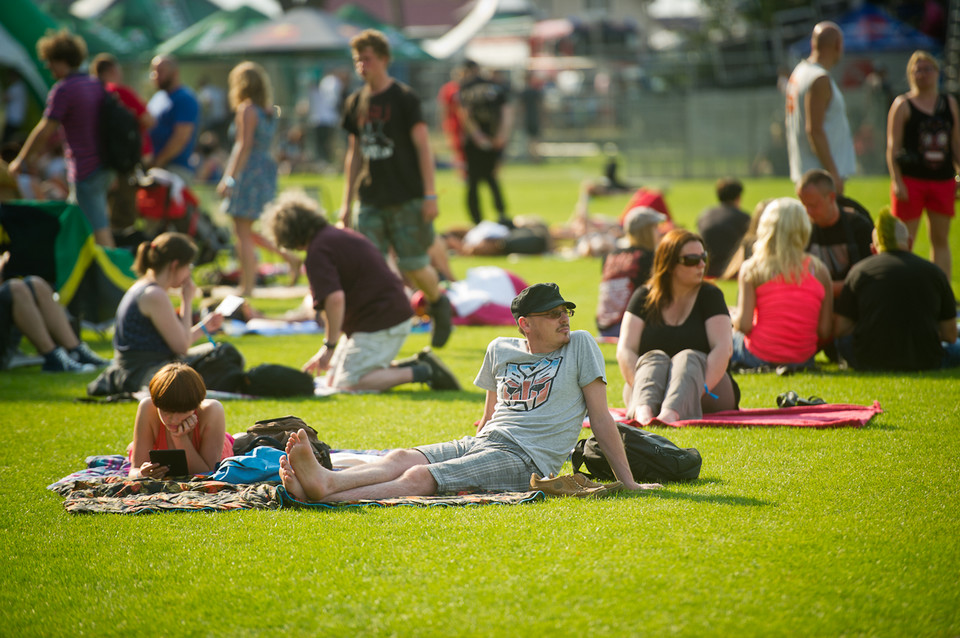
(249, 180)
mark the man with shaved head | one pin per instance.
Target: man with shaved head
(177, 113)
(818, 132)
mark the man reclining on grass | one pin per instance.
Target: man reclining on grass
(538, 391)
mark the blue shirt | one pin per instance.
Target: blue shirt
(170, 109)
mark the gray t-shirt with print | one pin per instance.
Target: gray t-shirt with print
(540, 404)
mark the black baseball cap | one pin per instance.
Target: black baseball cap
(538, 298)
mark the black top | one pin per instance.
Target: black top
(926, 137)
(842, 245)
(722, 227)
(691, 334)
(896, 299)
(483, 101)
(382, 124)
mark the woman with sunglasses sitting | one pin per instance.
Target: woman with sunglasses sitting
(783, 309)
(676, 339)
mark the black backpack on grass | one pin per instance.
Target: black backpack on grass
(653, 458)
(221, 367)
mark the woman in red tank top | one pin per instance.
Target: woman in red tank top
(177, 415)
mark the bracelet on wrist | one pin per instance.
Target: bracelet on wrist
(229, 181)
(429, 197)
(330, 345)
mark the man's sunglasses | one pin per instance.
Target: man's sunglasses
(553, 314)
(693, 259)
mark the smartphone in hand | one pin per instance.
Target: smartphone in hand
(175, 460)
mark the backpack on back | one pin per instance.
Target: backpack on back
(653, 458)
(120, 139)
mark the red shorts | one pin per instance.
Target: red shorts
(936, 195)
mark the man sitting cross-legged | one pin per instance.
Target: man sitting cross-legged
(538, 390)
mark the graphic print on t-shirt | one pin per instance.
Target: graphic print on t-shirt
(374, 144)
(526, 387)
(934, 138)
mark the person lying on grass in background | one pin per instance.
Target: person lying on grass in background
(177, 415)
(538, 389)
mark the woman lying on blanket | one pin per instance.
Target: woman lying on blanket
(178, 416)
(783, 308)
(149, 331)
(676, 339)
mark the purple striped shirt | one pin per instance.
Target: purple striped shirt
(74, 102)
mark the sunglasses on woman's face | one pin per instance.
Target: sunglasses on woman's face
(693, 259)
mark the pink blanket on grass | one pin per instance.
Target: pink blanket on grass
(827, 415)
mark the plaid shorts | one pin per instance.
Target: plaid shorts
(491, 463)
(400, 227)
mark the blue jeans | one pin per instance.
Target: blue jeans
(950, 359)
(951, 355)
(743, 357)
(90, 194)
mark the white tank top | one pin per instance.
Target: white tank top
(835, 124)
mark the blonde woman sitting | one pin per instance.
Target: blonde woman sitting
(783, 310)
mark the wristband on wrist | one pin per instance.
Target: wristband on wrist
(330, 345)
(709, 394)
(434, 196)
(229, 181)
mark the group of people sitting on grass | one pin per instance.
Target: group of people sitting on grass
(817, 276)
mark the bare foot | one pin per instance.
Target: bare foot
(313, 477)
(668, 416)
(644, 415)
(290, 480)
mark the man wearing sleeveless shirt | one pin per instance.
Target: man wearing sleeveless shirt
(818, 133)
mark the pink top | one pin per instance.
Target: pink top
(785, 319)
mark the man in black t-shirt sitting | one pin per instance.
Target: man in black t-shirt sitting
(840, 237)
(896, 310)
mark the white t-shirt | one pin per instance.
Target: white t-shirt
(540, 404)
(835, 124)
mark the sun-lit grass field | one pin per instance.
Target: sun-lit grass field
(788, 531)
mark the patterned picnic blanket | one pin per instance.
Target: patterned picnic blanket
(105, 488)
(121, 495)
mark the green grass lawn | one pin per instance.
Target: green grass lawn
(787, 532)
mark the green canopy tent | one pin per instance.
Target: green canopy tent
(202, 38)
(149, 21)
(21, 25)
(53, 240)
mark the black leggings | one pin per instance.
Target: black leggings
(482, 167)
